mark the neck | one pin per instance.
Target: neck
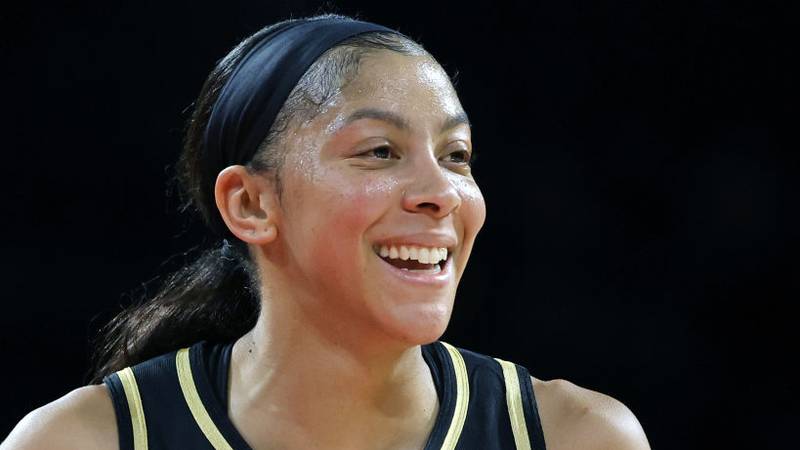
(321, 385)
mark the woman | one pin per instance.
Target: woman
(333, 159)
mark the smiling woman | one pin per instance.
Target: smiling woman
(332, 158)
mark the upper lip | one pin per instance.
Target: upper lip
(419, 240)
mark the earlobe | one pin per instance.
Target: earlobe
(245, 202)
(266, 235)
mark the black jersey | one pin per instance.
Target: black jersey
(178, 401)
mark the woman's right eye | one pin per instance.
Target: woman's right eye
(382, 152)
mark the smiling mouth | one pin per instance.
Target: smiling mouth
(414, 258)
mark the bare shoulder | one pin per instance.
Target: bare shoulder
(83, 419)
(577, 418)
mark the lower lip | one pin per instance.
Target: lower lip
(440, 279)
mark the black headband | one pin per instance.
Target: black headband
(259, 85)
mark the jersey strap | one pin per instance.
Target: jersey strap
(151, 406)
(522, 409)
(462, 398)
(195, 404)
(132, 425)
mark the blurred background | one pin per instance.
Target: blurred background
(635, 158)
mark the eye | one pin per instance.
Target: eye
(381, 152)
(462, 157)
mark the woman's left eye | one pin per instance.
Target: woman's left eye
(460, 157)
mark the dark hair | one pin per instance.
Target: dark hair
(216, 297)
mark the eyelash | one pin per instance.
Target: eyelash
(467, 157)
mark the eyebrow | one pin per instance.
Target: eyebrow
(400, 122)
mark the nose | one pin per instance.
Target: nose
(431, 192)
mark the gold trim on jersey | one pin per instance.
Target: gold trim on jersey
(514, 401)
(462, 399)
(135, 407)
(192, 397)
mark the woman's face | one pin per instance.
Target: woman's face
(384, 165)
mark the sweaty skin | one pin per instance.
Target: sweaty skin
(334, 360)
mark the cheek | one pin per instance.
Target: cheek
(345, 208)
(359, 202)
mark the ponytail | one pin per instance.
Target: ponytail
(214, 299)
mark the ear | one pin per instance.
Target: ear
(248, 204)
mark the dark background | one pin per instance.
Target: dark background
(642, 230)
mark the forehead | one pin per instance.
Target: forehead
(412, 86)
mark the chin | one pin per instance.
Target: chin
(416, 324)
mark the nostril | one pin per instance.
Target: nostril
(429, 205)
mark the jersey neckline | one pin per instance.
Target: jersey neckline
(435, 355)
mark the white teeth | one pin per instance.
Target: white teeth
(425, 255)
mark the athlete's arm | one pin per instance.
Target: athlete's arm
(577, 418)
(83, 419)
